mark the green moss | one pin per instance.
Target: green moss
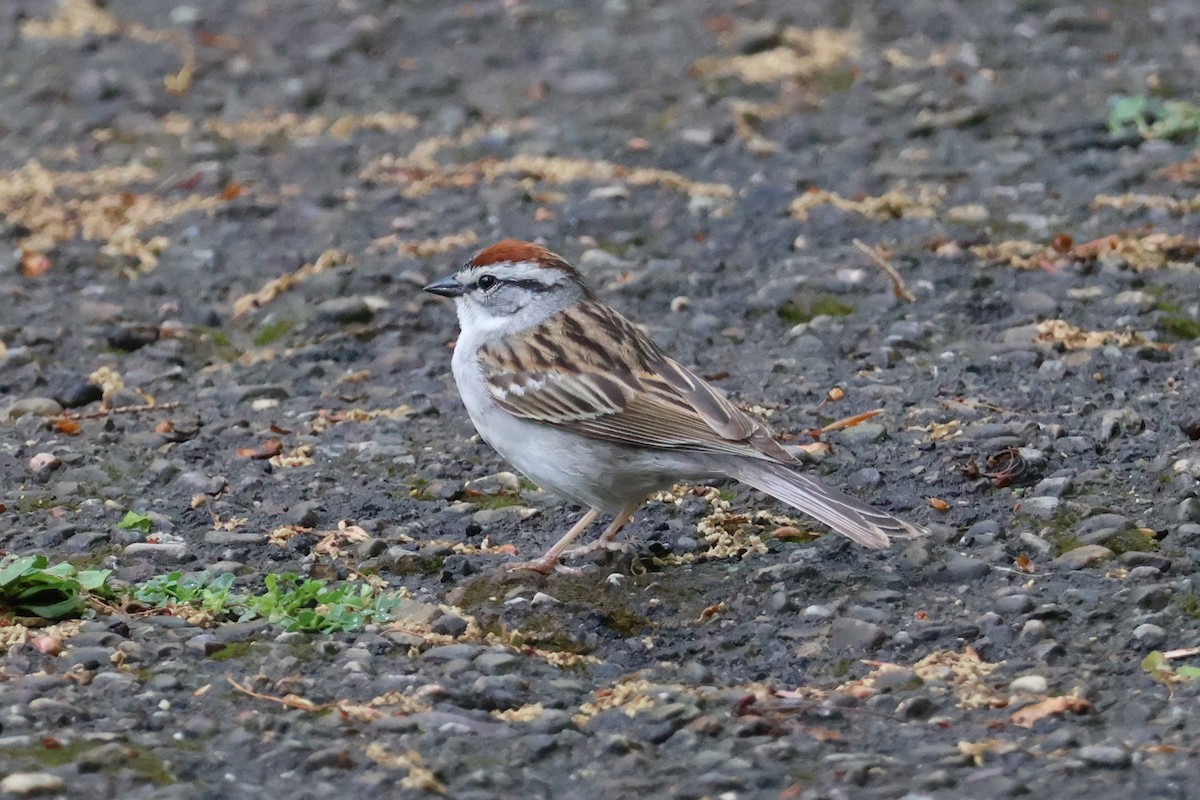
(840, 80)
(37, 756)
(807, 307)
(1181, 327)
(489, 588)
(232, 650)
(1129, 541)
(417, 489)
(841, 668)
(546, 631)
(419, 565)
(1061, 529)
(273, 331)
(28, 504)
(1064, 543)
(1189, 606)
(499, 500)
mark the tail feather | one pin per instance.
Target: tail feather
(852, 518)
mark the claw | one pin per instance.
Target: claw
(543, 565)
(599, 544)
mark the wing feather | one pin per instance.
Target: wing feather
(591, 370)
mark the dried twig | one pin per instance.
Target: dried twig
(105, 412)
(287, 700)
(1186, 652)
(850, 422)
(898, 284)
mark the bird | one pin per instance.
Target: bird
(577, 398)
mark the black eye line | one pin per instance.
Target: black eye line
(523, 283)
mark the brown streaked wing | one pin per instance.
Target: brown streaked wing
(591, 370)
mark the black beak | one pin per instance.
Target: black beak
(446, 287)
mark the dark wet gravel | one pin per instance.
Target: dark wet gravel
(721, 678)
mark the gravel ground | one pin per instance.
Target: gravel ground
(709, 169)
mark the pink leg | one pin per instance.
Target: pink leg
(549, 560)
(610, 533)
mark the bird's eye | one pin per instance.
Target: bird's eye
(486, 282)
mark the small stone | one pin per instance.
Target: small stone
(1188, 510)
(1151, 598)
(496, 662)
(694, 673)
(895, 680)
(451, 652)
(1105, 756)
(1033, 630)
(818, 612)
(963, 569)
(28, 784)
(35, 406)
(88, 657)
(1015, 604)
(1149, 636)
(449, 625)
(866, 478)
(1030, 684)
(42, 464)
(1035, 543)
(1052, 487)
(416, 612)
(263, 391)
(847, 633)
(200, 483)
(166, 552)
(864, 433)
(1101, 522)
(1041, 507)
(496, 484)
(1037, 303)
(1049, 651)
(345, 310)
(1082, 557)
(984, 531)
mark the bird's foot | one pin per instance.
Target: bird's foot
(544, 566)
(607, 545)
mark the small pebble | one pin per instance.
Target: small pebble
(1105, 756)
(1083, 557)
(1030, 684)
(28, 784)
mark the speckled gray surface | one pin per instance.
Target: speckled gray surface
(734, 677)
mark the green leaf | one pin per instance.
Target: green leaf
(50, 598)
(134, 521)
(94, 580)
(1188, 672)
(16, 567)
(1153, 662)
(63, 569)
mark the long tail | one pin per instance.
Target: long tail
(854, 519)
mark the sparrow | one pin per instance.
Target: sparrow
(577, 398)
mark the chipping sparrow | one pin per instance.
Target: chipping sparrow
(576, 397)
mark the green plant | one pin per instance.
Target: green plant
(31, 587)
(273, 331)
(314, 606)
(297, 604)
(806, 308)
(1154, 118)
(135, 521)
(1158, 667)
(200, 590)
